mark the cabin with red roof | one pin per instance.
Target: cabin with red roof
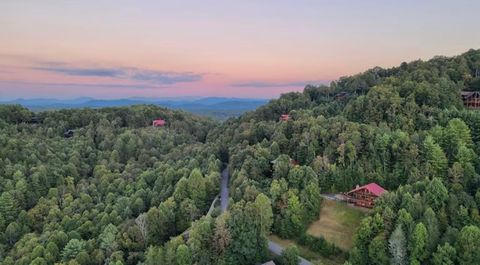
(158, 123)
(284, 117)
(366, 195)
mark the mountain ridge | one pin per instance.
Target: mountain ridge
(217, 107)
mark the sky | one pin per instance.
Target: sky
(253, 49)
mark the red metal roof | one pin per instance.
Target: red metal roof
(284, 117)
(158, 122)
(373, 188)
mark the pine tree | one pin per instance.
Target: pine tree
(435, 158)
(431, 223)
(196, 188)
(154, 256)
(73, 247)
(221, 236)
(8, 207)
(183, 255)
(107, 239)
(290, 256)
(436, 194)
(469, 245)
(397, 245)
(445, 255)
(294, 214)
(12, 233)
(377, 251)
(418, 244)
(263, 209)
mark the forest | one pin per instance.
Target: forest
(123, 192)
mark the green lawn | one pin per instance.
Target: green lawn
(338, 223)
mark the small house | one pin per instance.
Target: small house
(158, 123)
(471, 99)
(341, 95)
(284, 117)
(34, 120)
(366, 195)
(68, 134)
(293, 162)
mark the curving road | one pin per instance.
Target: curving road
(272, 246)
(224, 189)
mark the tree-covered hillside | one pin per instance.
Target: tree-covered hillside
(75, 200)
(122, 192)
(404, 128)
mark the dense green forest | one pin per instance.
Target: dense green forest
(122, 192)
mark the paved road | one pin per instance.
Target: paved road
(277, 250)
(224, 190)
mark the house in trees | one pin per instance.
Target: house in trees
(34, 120)
(284, 117)
(471, 99)
(366, 195)
(68, 134)
(158, 123)
(341, 95)
(293, 162)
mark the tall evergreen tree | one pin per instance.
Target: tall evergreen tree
(397, 245)
(418, 244)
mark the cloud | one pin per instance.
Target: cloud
(278, 84)
(98, 72)
(129, 73)
(79, 85)
(166, 78)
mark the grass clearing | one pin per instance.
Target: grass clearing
(338, 223)
(309, 255)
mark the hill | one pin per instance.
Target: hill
(215, 107)
(122, 192)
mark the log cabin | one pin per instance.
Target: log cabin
(366, 195)
(341, 95)
(471, 99)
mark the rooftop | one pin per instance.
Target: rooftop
(374, 188)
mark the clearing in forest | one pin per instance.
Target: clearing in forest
(338, 223)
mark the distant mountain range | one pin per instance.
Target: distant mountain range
(216, 107)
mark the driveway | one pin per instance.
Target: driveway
(277, 250)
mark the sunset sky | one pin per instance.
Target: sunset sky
(117, 49)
